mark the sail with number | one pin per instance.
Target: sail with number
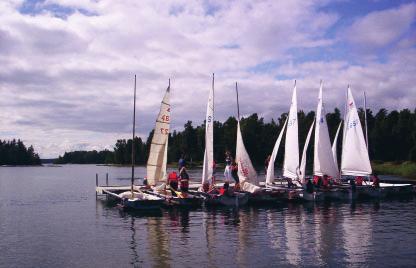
(355, 160)
(246, 172)
(323, 161)
(302, 168)
(291, 162)
(157, 161)
(270, 167)
(207, 169)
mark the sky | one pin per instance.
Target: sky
(67, 66)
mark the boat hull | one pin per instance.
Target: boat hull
(237, 199)
(142, 204)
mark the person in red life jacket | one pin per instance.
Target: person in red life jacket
(359, 180)
(315, 180)
(376, 181)
(184, 180)
(225, 189)
(173, 180)
(325, 182)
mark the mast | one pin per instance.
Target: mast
(133, 153)
(365, 120)
(238, 104)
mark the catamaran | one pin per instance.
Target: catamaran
(355, 160)
(324, 157)
(157, 161)
(291, 156)
(208, 190)
(136, 198)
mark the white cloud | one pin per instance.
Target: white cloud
(67, 83)
(381, 28)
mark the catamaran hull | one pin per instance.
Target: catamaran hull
(238, 199)
(142, 204)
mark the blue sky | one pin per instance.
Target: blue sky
(67, 65)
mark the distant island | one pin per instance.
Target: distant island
(16, 153)
(392, 138)
(392, 142)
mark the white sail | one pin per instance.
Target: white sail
(246, 172)
(209, 138)
(156, 164)
(270, 167)
(291, 162)
(334, 146)
(302, 168)
(323, 161)
(355, 160)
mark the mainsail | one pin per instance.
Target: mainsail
(156, 164)
(270, 167)
(323, 161)
(302, 168)
(207, 169)
(291, 162)
(355, 160)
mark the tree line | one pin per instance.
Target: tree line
(392, 137)
(14, 152)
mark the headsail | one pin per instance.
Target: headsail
(334, 146)
(246, 171)
(156, 164)
(209, 138)
(323, 161)
(270, 167)
(291, 162)
(355, 159)
(302, 168)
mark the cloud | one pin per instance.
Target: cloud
(66, 80)
(380, 28)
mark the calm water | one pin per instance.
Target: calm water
(49, 217)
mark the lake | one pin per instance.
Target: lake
(49, 217)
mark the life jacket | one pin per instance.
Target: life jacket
(315, 179)
(184, 183)
(359, 180)
(325, 182)
(173, 176)
(222, 191)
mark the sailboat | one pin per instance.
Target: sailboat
(157, 161)
(212, 197)
(291, 158)
(324, 161)
(355, 160)
(136, 198)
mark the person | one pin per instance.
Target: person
(266, 163)
(184, 179)
(359, 180)
(225, 189)
(290, 183)
(353, 186)
(315, 180)
(145, 183)
(181, 162)
(228, 161)
(309, 186)
(234, 173)
(173, 180)
(325, 181)
(376, 181)
(205, 187)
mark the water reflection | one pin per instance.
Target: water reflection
(295, 234)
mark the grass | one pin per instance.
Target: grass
(405, 169)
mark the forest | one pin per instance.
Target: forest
(392, 138)
(16, 153)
